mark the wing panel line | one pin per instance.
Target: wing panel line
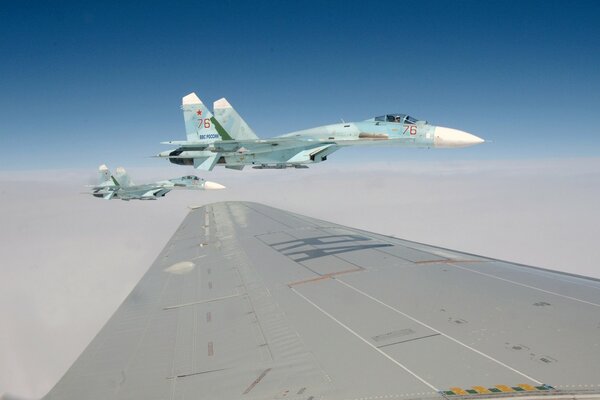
(366, 341)
(193, 303)
(436, 330)
(147, 322)
(535, 271)
(524, 285)
(268, 216)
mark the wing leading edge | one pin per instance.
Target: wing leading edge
(252, 302)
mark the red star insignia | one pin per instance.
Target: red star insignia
(199, 112)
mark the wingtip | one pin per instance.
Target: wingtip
(191, 99)
(221, 103)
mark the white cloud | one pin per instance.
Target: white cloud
(68, 260)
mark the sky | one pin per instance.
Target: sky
(83, 83)
(86, 83)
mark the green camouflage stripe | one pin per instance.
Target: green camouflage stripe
(220, 130)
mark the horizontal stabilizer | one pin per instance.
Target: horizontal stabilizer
(206, 163)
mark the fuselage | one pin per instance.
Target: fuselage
(152, 191)
(380, 131)
(308, 146)
(135, 192)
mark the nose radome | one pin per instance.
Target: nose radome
(208, 185)
(448, 137)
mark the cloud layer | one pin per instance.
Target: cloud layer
(68, 260)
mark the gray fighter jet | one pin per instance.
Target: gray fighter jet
(226, 139)
(120, 186)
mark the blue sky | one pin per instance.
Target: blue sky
(85, 83)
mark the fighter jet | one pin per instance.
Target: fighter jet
(226, 139)
(120, 186)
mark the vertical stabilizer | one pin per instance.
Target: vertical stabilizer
(103, 174)
(122, 177)
(200, 125)
(232, 122)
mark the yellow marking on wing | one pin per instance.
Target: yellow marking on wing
(481, 389)
(505, 388)
(458, 390)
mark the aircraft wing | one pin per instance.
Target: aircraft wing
(257, 146)
(251, 302)
(266, 145)
(275, 151)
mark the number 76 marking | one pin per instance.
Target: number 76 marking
(412, 129)
(204, 122)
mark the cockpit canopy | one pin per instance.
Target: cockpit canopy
(190, 178)
(398, 118)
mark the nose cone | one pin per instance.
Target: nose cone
(208, 185)
(448, 137)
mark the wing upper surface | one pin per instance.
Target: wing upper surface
(251, 302)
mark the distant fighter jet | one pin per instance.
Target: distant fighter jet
(226, 139)
(120, 186)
